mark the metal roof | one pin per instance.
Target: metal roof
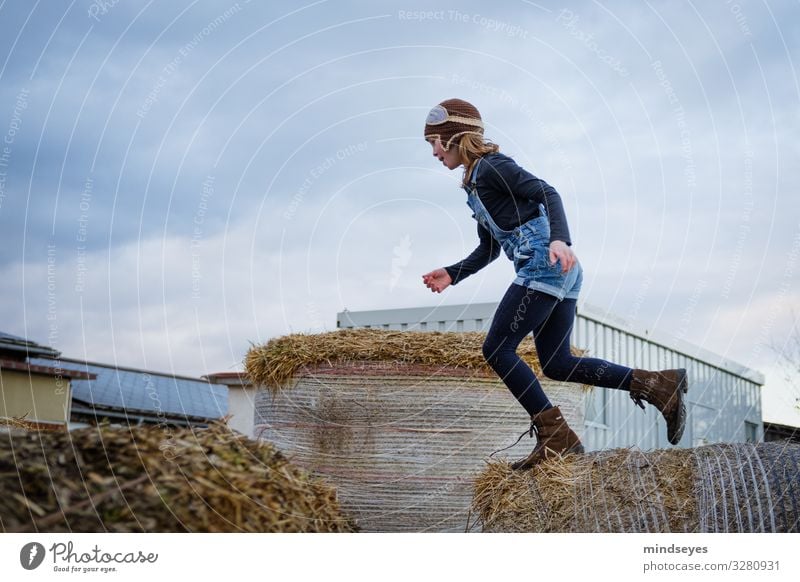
(144, 391)
(5, 336)
(15, 343)
(45, 370)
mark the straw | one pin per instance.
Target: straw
(755, 488)
(274, 364)
(157, 479)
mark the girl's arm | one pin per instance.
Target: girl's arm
(487, 250)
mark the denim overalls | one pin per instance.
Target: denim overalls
(528, 247)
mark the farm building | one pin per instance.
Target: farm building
(774, 431)
(49, 390)
(241, 396)
(136, 396)
(39, 392)
(724, 400)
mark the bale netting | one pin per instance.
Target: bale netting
(157, 479)
(729, 488)
(399, 422)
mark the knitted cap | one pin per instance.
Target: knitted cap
(452, 118)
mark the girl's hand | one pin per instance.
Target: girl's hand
(437, 280)
(560, 250)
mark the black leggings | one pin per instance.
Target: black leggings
(523, 311)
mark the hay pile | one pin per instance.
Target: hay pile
(276, 362)
(154, 479)
(717, 488)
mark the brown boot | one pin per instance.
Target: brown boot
(664, 390)
(554, 437)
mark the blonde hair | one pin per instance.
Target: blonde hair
(471, 147)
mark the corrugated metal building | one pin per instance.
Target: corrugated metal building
(724, 399)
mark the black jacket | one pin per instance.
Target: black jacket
(512, 196)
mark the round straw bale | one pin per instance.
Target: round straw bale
(398, 421)
(716, 488)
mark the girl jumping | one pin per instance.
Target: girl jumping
(523, 216)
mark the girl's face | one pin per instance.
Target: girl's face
(449, 158)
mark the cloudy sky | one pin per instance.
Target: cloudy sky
(179, 180)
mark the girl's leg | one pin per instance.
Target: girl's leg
(552, 345)
(664, 389)
(521, 311)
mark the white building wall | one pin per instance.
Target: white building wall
(241, 405)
